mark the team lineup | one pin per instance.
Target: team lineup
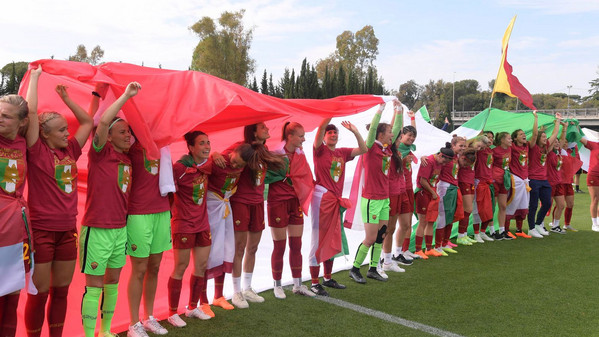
(215, 219)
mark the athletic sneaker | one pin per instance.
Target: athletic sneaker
(470, 239)
(511, 235)
(523, 235)
(222, 302)
(251, 296)
(176, 321)
(497, 236)
(485, 237)
(464, 241)
(107, 334)
(409, 255)
(152, 325)
(381, 271)
(449, 250)
(570, 228)
(373, 274)
(197, 313)
(401, 259)
(534, 233)
(239, 301)
(319, 290)
(393, 267)
(421, 254)
(333, 284)
(432, 252)
(478, 239)
(205, 308)
(441, 251)
(595, 228)
(303, 290)
(355, 275)
(452, 245)
(279, 292)
(558, 230)
(506, 236)
(136, 330)
(541, 229)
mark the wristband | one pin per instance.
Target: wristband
(413, 118)
(96, 94)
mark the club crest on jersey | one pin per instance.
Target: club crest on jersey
(230, 183)
(409, 165)
(543, 159)
(336, 168)
(124, 180)
(434, 179)
(505, 163)
(199, 189)
(386, 163)
(12, 173)
(522, 158)
(454, 170)
(260, 175)
(489, 160)
(94, 265)
(558, 167)
(151, 165)
(65, 177)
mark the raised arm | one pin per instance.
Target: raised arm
(362, 148)
(535, 130)
(320, 133)
(86, 123)
(373, 126)
(397, 119)
(33, 130)
(558, 118)
(102, 130)
(412, 116)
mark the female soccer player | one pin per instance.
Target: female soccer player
(484, 195)
(593, 180)
(327, 204)
(502, 176)
(375, 193)
(190, 227)
(53, 209)
(539, 186)
(103, 232)
(13, 162)
(425, 194)
(285, 208)
(555, 165)
(148, 236)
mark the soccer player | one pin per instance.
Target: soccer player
(484, 191)
(148, 236)
(593, 180)
(103, 231)
(540, 189)
(375, 193)
(13, 162)
(285, 208)
(327, 204)
(190, 228)
(53, 209)
(425, 194)
(555, 164)
(502, 184)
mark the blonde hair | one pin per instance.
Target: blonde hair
(18, 102)
(45, 117)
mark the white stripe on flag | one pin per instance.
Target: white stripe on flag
(12, 277)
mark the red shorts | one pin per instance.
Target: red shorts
(394, 204)
(568, 189)
(557, 190)
(283, 213)
(407, 202)
(592, 180)
(192, 240)
(499, 188)
(423, 199)
(248, 217)
(466, 188)
(55, 246)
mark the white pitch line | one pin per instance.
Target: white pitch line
(389, 318)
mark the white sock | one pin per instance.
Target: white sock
(461, 235)
(297, 282)
(277, 283)
(595, 220)
(501, 229)
(555, 223)
(398, 251)
(387, 259)
(247, 281)
(236, 285)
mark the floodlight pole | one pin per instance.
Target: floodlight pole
(453, 100)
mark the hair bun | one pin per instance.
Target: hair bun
(447, 145)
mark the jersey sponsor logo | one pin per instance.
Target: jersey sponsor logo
(151, 165)
(543, 159)
(124, 179)
(199, 184)
(489, 160)
(12, 170)
(336, 168)
(385, 165)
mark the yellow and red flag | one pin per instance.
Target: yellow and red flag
(506, 82)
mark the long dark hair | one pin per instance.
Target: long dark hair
(289, 128)
(190, 138)
(396, 157)
(249, 133)
(499, 137)
(256, 155)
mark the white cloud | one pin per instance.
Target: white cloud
(554, 7)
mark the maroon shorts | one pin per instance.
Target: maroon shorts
(592, 180)
(248, 217)
(192, 240)
(285, 212)
(407, 202)
(423, 199)
(55, 246)
(466, 188)
(557, 190)
(394, 204)
(568, 189)
(499, 187)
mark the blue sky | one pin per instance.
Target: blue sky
(554, 43)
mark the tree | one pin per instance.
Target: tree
(11, 75)
(409, 93)
(594, 91)
(94, 57)
(224, 51)
(264, 84)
